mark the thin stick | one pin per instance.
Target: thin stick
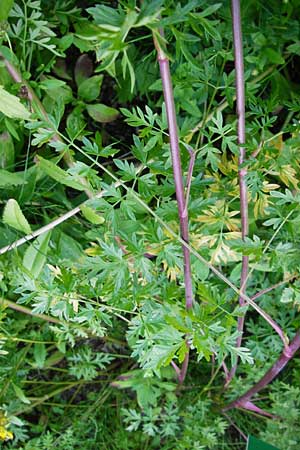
(235, 426)
(240, 111)
(271, 288)
(50, 225)
(40, 231)
(25, 310)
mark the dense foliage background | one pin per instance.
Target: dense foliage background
(92, 315)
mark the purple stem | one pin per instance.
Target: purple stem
(177, 170)
(164, 67)
(176, 368)
(184, 367)
(271, 288)
(240, 111)
(189, 175)
(245, 400)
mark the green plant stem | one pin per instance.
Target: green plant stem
(47, 397)
(25, 310)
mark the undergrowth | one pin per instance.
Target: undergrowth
(107, 338)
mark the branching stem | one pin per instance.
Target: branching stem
(245, 400)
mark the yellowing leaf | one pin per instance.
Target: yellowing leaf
(94, 250)
(267, 187)
(14, 217)
(224, 254)
(288, 175)
(260, 205)
(172, 272)
(11, 106)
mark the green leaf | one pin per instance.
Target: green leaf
(91, 215)
(20, 394)
(160, 355)
(89, 89)
(294, 48)
(102, 113)
(58, 174)
(7, 151)
(273, 56)
(51, 83)
(68, 248)
(129, 170)
(5, 7)
(126, 65)
(40, 354)
(8, 179)
(11, 106)
(83, 69)
(36, 254)
(210, 10)
(14, 217)
(104, 15)
(200, 269)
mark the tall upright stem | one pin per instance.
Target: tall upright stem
(240, 111)
(164, 67)
(177, 170)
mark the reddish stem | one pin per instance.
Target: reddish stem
(245, 400)
(177, 170)
(240, 111)
(179, 187)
